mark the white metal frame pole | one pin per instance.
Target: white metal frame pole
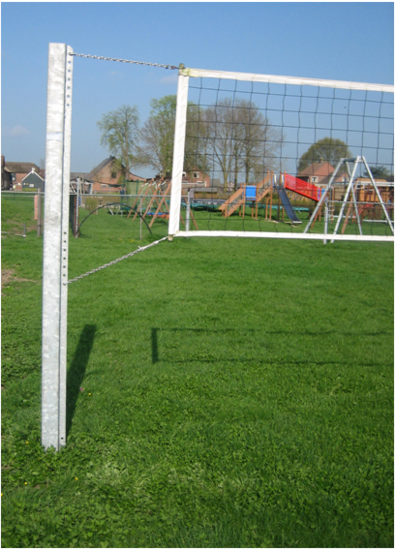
(378, 194)
(326, 220)
(178, 155)
(347, 192)
(56, 232)
(323, 196)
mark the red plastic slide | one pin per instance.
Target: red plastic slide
(302, 187)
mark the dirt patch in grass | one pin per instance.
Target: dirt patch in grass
(8, 276)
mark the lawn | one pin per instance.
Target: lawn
(221, 392)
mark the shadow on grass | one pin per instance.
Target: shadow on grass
(154, 345)
(206, 332)
(76, 372)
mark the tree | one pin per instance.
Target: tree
(326, 149)
(379, 172)
(119, 134)
(157, 137)
(242, 140)
(219, 136)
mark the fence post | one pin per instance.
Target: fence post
(39, 213)
(141, 219)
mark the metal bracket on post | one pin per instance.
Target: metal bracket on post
(56, 241)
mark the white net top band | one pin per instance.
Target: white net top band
(251, 77)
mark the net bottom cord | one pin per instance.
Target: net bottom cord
(286, 235)
(113, 262)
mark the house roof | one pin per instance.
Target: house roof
(317, 169)
(21, 167)
(82, 175)
(92, 174)
(98, 168)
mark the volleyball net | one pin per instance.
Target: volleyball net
(271, 156)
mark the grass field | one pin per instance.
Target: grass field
(221, 392)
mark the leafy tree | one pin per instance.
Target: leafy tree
(157, 137)
(326, 149)
(119, 131)
(378, 172)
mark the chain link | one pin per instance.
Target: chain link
(172, 67)
(140, 249)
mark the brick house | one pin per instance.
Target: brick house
(106, 179)
(197, 178)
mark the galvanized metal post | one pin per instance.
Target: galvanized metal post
(56, 233)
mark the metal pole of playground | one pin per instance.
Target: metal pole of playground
(188, 210)
(326, 220)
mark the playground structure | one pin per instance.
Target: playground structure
(154, 202)
(354, 200)
(254, 194)
(248, 193)
(150, 204)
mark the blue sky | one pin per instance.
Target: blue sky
(341, 41)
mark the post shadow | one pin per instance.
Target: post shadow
(76, 372)
(154, 345)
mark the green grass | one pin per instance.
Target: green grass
(237, 393)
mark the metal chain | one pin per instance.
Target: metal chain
(140, 249)
(172, 67)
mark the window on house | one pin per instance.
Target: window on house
(314, 179)
(184, 174)
(196, 175)
(103, 185)
(114, 175)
